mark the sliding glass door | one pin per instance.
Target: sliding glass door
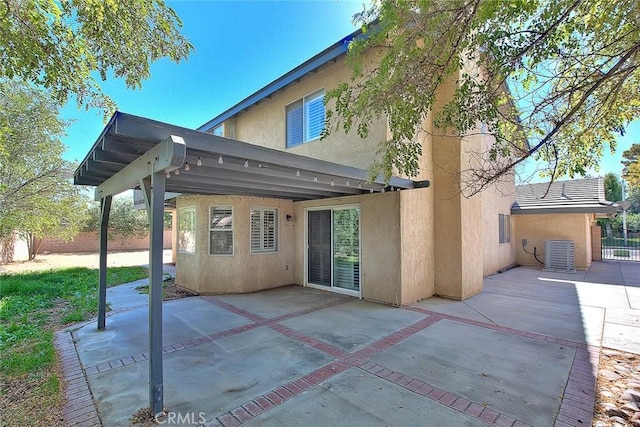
(333, 248)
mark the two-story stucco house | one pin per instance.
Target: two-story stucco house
(265, 202)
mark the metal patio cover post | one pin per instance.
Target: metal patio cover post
(147, 171)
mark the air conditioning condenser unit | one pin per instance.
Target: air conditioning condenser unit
(559, 255)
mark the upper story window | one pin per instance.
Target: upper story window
(305, 118)
(504, 228)
(221, 230)
(187, 230)
(218, 130)
(264, 230)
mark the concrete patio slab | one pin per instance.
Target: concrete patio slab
(357, 398)
(517, 354)
(211, 378)
(353, 325)
(558, 319)
(519, 376)
(452, 308)
(124, 297)
(281, 301)
(127, 332)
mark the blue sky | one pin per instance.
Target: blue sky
(240, 46)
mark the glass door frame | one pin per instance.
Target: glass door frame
(332, 288)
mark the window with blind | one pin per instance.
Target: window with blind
(221, 230)
(504, 228)
(187, 230)
(264, 230)
(305, 119)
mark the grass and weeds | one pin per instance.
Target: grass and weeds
(32, 307)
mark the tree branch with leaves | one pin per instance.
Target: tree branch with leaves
(37, 196)
(562, 75)
(62, 45)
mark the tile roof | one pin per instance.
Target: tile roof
(572, 196)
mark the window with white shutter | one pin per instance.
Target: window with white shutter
(221, 230)
(305, 119)
(264, 230)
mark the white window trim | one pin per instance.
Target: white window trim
(276, 234)
(233, 232)
(304, 121)
(195, 227)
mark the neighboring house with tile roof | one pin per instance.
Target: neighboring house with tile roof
(562, 210)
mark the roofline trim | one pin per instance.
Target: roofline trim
(609, 209)
(331, 53)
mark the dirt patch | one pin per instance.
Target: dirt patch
(88, 260)
(144, 417)
(170, 290)
(31, 400)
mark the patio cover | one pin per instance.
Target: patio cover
(136, 152)
(246, 169)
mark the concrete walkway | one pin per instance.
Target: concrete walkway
(523, 352)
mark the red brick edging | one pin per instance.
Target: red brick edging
(79, 409)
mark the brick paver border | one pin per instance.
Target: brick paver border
(79, 409)
(576, 408)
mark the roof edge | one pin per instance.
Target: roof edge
(603, 209)
(331, 53)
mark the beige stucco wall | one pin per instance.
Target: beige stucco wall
(379, 243)
(458, 219)
(596, 241)
(417, 245)
(496, 200)
(242, 272)
(264, 124)
(537, 228)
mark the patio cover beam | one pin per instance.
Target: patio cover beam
(166, 156)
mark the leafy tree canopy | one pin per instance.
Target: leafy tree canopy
(562, 74)
(631, 162)
(37, 197)
(612, 187)
(62, 45)
(124, 219)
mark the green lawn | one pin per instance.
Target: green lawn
(32, 307)
(633, 242)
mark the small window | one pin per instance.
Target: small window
(504, 228)
(219, 130)
(305, 119)
(221, 230)
(264, 230)
(187, 230)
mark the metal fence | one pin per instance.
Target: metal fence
(616, 246)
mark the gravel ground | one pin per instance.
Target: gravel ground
(89, 260)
